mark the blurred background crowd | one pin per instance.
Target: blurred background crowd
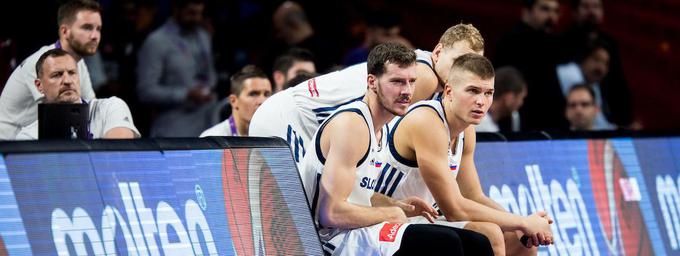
(577, 64)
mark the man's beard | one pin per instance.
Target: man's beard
(81, 49)
(383, 101)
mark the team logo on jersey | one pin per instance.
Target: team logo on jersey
(388, 233)
(378, 164)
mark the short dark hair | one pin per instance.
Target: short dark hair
(474, 63)
(508, 79)
(577, 87)
(67, 12)
(56, 52)
(590, 46)
(389, 53)
(300, 77)
(286, 60)
(249, 71)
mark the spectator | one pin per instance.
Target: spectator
(293, 28)
(79, 34)
(288, 65)
(587, 28)
(532, 48)
(249, 88)
(581, 108)
(58, 80)
(508, 97)
(381, 27)
(590, 68)
(176, 74)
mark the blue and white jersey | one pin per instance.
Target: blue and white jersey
(312, 167)
(399, 177)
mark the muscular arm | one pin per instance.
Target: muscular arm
(344, 142)
(430, 146)
(468, 179)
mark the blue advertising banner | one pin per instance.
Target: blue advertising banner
(182, 202)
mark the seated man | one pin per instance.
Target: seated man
(337, 174)
(581, 109)
(429, 145)
(58, 80)
(295, 114)
(249, 88)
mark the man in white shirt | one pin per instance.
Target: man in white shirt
(249, 88)
(59, 82)
(79, 34)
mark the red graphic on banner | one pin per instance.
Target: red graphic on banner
(624, 227)
(389, 232)
(236, 202)
(3, 249)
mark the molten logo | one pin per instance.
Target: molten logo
(140, 231)
(388, 233)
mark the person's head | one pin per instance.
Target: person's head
(391, 76)
(581, 108)
(588, 12)
(80, 25)
(594, 61)
(510, 89)
(188, 13)
(249, 88)
(300, 77)
(57, 77)
(456, 41)
(541, 14)
(468, 94)
(382, 27)
(290, 23)
(289, 64)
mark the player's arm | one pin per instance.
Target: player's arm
(468, 180)
(346, 138)
(431, 147)
(412, 206)
(426, 84)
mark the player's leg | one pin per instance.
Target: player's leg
(493, 233)
(428, 239)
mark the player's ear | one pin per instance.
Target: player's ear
(372, 82)
(436, 54)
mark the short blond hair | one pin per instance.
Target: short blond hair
(463, 32)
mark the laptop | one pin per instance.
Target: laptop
(63, 121)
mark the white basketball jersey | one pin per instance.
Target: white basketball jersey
(312, 167)
(399, 177)
(318, 97)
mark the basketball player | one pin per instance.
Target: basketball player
(339, 170)
(423, 161)
(295, 114)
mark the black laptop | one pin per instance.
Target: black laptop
(63, 121)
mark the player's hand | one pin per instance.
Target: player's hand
(537, 229)
(395, 215)
(414, 206)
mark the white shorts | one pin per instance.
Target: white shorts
(441, 220)
(380, 239)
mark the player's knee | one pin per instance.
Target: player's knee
(492, 232)
(515, 247)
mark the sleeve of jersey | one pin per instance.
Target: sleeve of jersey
(118, 115)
